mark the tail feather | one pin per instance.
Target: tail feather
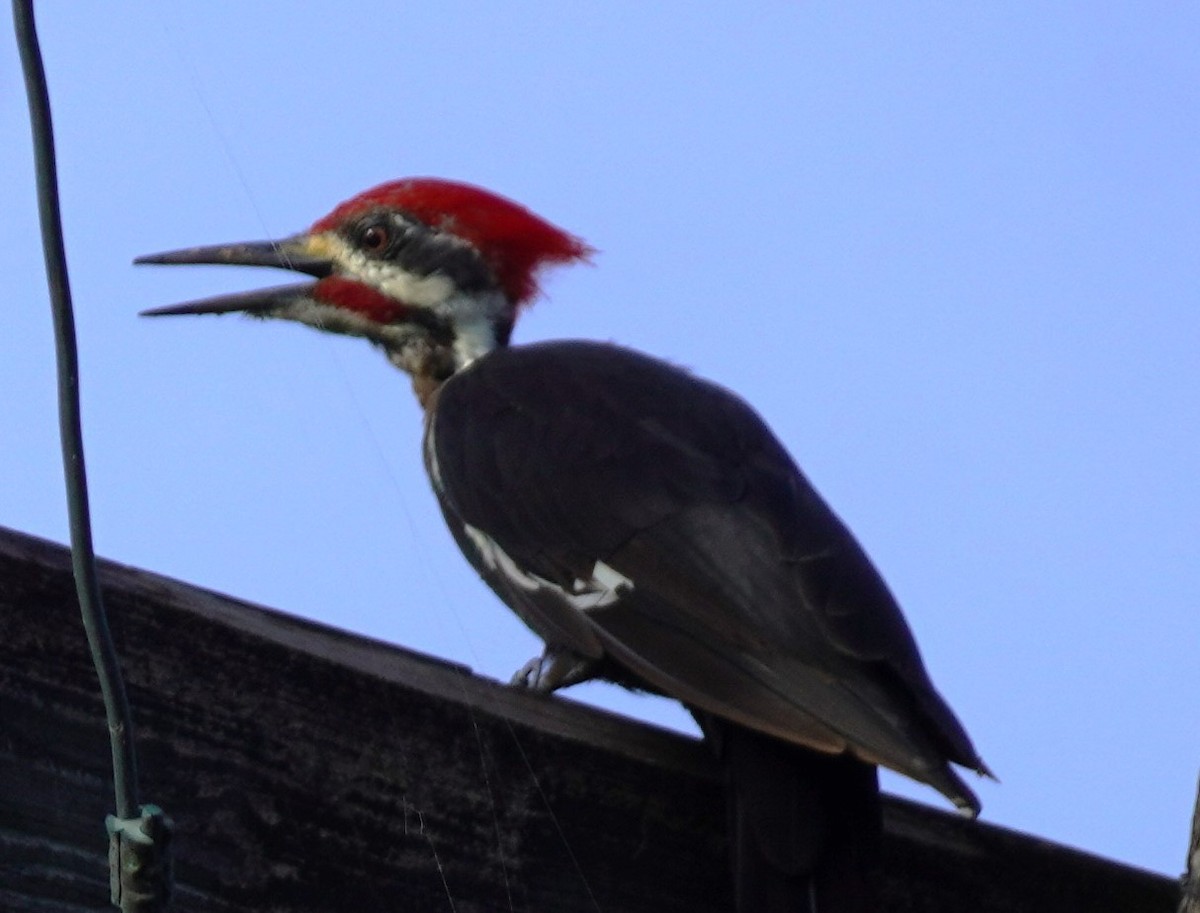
(804, 828)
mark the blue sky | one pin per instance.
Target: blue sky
(950, 251)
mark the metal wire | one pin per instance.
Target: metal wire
(95, 623)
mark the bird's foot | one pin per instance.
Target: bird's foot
(552, 670)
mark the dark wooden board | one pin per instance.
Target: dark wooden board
(308, 769)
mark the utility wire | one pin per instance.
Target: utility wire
(141, 870)
(112, 686)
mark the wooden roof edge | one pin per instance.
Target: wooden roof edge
(431, 675)
(910, 821)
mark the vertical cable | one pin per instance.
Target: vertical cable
(112, 687)
(140, 867)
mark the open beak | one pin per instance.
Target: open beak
(300, 253)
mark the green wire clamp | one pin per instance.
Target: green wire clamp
(139, 860)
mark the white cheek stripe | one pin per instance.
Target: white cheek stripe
(417, 291)
(473, 317)
(606, 586)
(331, 319)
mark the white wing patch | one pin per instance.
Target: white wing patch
(431, 460)
(605, 587)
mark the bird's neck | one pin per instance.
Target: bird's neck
(474, 337)
(430, 359)
(426, 390)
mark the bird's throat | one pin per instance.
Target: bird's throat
(430, 358)
(427, 361)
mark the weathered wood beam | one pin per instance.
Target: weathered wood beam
(308, 769)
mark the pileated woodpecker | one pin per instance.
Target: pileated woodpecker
(645, 523)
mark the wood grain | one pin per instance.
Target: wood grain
(308, 769)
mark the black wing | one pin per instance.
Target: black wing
(738, 590)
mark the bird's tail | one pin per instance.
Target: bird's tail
(804, 828)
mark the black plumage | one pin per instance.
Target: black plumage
(724, 581)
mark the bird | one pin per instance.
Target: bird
(644, 522)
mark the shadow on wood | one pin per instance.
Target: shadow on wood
(308, 769)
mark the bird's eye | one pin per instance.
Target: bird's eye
(375, 239)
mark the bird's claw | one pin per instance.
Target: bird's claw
(529, 675)
(552, 670)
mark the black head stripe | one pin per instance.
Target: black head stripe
(422, 250)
